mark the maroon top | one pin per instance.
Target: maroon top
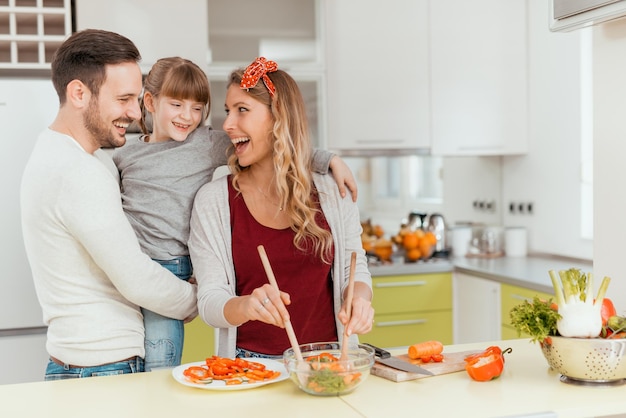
(305, 277)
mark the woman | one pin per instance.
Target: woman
(272, 199)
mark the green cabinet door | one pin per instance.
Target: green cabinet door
(511, 297)
(199, 341)
(411, 308)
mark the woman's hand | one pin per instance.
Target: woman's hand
(267, 305)
(362, 316)
(343, 177)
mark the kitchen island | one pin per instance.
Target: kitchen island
(527, 387)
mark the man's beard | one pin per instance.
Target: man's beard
(100, 130)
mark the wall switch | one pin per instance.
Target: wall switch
(484, 205)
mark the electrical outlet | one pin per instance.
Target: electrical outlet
(521, 208)
(484, 205)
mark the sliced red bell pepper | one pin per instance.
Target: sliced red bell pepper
(196, 373)
(493, 349)
(486, 365)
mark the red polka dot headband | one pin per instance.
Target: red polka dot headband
(257, 70)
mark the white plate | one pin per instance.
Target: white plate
(177, 372)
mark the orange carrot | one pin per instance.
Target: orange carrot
(426, 348)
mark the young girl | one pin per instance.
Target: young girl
(161, 173)
(272, 199)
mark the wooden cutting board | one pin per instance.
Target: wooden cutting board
(453, 362)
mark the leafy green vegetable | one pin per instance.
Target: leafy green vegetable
(617, 323)
(330, 381)
(536, 319)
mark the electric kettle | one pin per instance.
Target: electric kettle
(417, 220)
(437, 225)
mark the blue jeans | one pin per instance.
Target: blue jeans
(57, 372)
(165, 336)
(243, 353)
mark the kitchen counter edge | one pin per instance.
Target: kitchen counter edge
(530, 272)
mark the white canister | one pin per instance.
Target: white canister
(515, 242)
(461, 238)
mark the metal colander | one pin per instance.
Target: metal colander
(594, 360)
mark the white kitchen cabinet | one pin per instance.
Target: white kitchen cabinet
(291, 37)
(476, 309)
(479, 76)
(31, 31)
(159, 28)
(23, 358)
(377, 74)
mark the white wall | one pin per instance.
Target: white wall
(466, 179)
(609, 157)
(549, 176)
(158, 27)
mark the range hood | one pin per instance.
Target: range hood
(569, 15)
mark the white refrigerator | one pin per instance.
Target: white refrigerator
(27, 106)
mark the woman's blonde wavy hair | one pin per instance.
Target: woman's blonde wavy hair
(292, 160)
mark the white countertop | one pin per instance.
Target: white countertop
(433, 265)
(530, 272)
(526, 388)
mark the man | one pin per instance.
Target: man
(89, 272)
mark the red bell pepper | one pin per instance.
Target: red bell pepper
(607, 310)
(486, 365)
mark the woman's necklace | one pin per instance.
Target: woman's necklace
(280, 208)
(268, 199)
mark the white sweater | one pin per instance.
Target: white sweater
(89, 271)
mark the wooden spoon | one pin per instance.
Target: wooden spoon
(349, 295)
(301, 365)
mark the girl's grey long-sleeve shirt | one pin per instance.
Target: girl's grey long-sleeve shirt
(160, 181)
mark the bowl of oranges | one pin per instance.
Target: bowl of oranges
(417, 243)
(374, 242)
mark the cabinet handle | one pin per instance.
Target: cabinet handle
(404, 322)
(380, 141)
(481, 148)
(520, 297)
(401, 284)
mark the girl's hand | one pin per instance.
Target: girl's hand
(362, 316)
(343, 177)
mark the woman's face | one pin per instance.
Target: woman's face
(249, 125)
(172, 118)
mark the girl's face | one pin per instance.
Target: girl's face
(249, 125)
(172, 118)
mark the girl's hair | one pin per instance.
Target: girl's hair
(292, 160)
(180, 79)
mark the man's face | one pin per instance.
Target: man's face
(116, 106)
